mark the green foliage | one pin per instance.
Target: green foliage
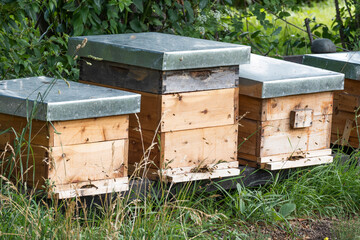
(34, 33)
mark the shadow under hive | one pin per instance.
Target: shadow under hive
(285, 110)
(346, 102)
(79, 135)
(189, 99)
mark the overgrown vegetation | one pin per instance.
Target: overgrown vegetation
(33, 41)
(328, 191)
(34, 33)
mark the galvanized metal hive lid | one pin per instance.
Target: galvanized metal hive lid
(267, 77)
(343, 62)
(161, 51)
(55, 100)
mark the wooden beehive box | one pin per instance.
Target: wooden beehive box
(346, 102)
(189, 107)
(78, 137)
(286, 111)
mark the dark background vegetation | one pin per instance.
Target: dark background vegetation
(34, 33)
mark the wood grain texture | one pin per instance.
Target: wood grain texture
(193, 110)
(280, 108)
(299, 163)
(92, 161)
(200, 146)
(278, 137)
(155, 81)
(89, 188)
(268, 132)
(144, 144)
(351, 86)
(341, 121)
(90, 130)
(220, 173)
(249, 134)
(39, 130)
(301, 118)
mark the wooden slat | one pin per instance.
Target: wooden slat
(351, 86)
(88, 188)
(354, 142)
(201, 168)
(92, 161)
(200, 146)
(280, 108)
(32, 169)
(121, 75)
(39, 130)
(295, 155)
(158, 82)
(251, 107)
(90, 130)
(348, 102)
(136, 150)
(183, 111)
(299, 163)
(249, 133)
(203, 176)
(279, 138)
(347, 130)
(339, 121)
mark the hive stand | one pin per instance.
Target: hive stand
(286, 111)
(189, 92)
(344, 128)
(78, 135)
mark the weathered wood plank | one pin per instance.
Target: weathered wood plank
(249, 135)
(90, 130)
(39, 130)
(193, 110)
(200, 168)
(186, 177)
(200, 146)
(144, 145)
(301, 118)
(155, 81)
(100, 160)
(299, 163)
(351, 86)
(278, 137)
(280, 108)
(295, 155)
(88, 188)
(348, 102)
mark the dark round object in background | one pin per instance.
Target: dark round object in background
(323, 45)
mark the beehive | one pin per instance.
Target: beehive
(189, 92)
(345, 102)
(78, 135)
(287, 112)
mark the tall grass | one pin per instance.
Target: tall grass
(189, 212)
